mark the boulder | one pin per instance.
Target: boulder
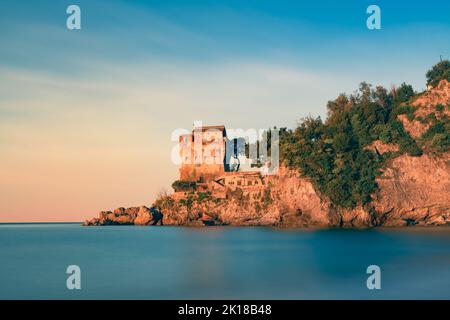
(143, 216)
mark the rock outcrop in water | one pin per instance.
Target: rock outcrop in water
(121, 216)
(411, 191)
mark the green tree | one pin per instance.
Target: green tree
(403, 93)
(439, 72)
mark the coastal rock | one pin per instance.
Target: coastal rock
(143, 216)
(414, 188)
(412, 191)
(123, 216)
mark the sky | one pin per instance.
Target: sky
(87, 116)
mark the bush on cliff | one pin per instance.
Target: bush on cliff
(180, 185)
(403, 93)
(437, 137)
(439, 72)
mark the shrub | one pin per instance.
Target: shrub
(441, 142)
(382, 132)
(203, 196)
(180, 185)
(438, 134)
(411, 148)
(187, 202)
(267, 199)
(405, 109)
(438, 72)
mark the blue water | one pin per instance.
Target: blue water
(127, 262)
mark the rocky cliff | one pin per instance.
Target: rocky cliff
(411, 191)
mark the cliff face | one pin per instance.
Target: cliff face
(426, 104)
(412, 191)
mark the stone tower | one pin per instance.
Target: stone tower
(202, 153)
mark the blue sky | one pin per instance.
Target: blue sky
(96, 107)
(322, 35)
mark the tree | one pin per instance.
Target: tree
(340, 104)
(439, 72)
(403, 93)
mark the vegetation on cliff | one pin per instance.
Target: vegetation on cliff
(180, 185)
(440, 71)
(334, 154)
(437, 137)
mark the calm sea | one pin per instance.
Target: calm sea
(127, 262)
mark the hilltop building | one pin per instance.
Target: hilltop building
(210, 159)
(203, 153)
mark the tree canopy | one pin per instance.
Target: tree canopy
(439, 72)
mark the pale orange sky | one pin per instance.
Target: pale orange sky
(73, 147)
(86, 116)
(86, 145)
